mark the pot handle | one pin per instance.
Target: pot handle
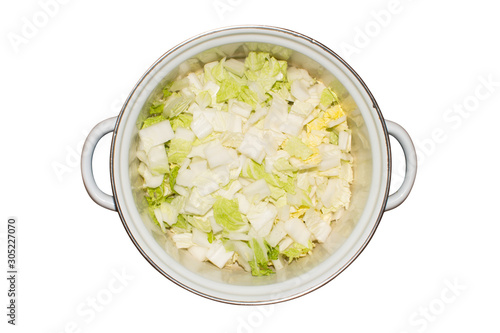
(400, 134)
(95, 135)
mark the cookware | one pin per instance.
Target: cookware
(370, 148)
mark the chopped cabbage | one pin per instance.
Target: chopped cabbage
(246, 162)
(227, 214)
(156, 134)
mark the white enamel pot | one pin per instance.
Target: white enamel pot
(370, 149)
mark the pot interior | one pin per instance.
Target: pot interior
(350, 234)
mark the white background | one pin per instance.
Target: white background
(422, 60)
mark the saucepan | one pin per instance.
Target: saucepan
(351, 234)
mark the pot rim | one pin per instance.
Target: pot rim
(329, 52)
